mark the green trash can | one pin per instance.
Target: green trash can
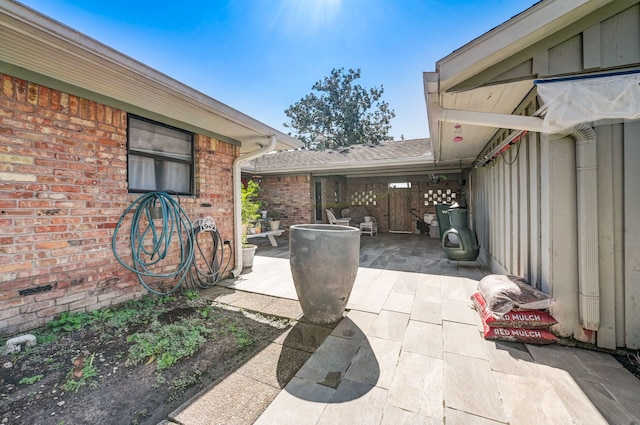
(443, 218)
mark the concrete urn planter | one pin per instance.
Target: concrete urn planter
(324, 261)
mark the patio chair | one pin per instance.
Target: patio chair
(333, 220)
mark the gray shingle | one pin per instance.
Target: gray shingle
(395, 150)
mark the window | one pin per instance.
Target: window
(402, 185)
(160, 157)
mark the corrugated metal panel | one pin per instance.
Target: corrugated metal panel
(506, 205)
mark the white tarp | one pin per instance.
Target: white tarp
(572, 102)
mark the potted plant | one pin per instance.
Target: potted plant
(274, 223)
(250, 211)
(435, 178)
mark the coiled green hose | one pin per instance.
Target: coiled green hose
(151, 242)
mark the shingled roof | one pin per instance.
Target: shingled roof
(339, 160)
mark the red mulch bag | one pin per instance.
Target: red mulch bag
(503, 293)
(529, 336)
(514, 319)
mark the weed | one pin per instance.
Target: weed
(243, 337)
(69, 321)
(45, 336)
(167, 343)
(84, 372)
(32, 380)
(182, 382)
(160, 378)
(205, 312)
(191, 294)
(137, 415)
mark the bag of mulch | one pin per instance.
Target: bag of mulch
(516, 318)
(503, 293)
(528, 336)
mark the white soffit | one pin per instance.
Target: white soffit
(38, 44)
(499, 99)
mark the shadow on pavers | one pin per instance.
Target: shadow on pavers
(342, 368)
(337, 357)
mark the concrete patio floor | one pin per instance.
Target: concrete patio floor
(409, 351)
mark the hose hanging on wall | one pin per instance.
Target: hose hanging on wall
(160, 230)
(206, 271)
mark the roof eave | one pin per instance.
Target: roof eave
(75, 60)
(379, 167)
(519, 32)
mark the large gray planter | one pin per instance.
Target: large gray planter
(324, 261)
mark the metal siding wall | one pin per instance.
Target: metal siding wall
(506, 204)
(632, 233)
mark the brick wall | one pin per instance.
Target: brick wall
(290, 196)
(63, 187)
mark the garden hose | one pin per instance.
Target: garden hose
(155, 238)
(209, 274)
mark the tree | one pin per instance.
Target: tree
(340, 113)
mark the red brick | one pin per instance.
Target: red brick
(21, 90)
(55, 100)
(52, 245)
(58, 229)
(7, 86)
(73, 105)
(43, 96)
(32, 93)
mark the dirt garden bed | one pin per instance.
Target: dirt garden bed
(131, 365)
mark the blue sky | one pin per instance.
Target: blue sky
(261, 56)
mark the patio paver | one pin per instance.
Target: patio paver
(386, 363)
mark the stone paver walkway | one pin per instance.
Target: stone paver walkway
(410, 351)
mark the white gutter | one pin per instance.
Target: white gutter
(237, 200)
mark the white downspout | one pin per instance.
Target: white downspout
(237, 200)
(588, 261)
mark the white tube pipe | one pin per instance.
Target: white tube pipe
(588, 261)
(237, 201)
(16, 343)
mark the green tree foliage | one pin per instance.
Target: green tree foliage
(250, 203)
(340, 113)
